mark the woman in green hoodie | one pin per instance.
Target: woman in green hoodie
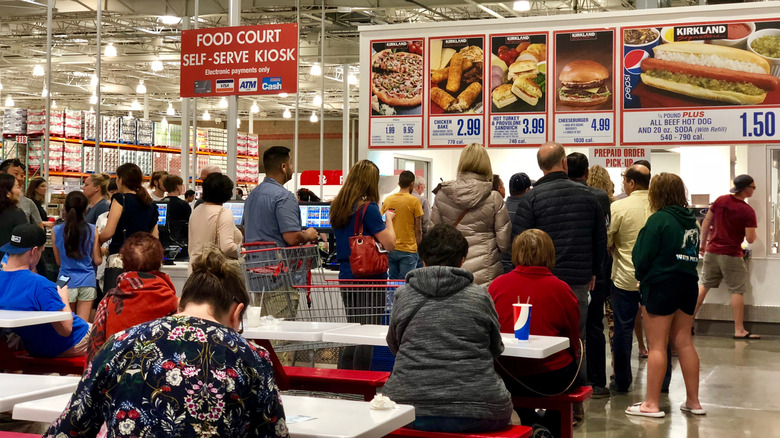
(665, 257)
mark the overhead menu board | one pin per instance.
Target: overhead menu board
(518, 89)
(456, 110)
(584, 108)
(397, 90)
(705, 82)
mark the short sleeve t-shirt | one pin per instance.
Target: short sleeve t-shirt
(372, 225)
(135, 217)
(407, 208)
(95, 211)
(269, 212)
(730, 217)
(178, 209)
(24, 290)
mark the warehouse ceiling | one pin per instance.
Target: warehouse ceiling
(144, 31)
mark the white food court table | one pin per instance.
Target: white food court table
(327, 417)
(23, 318)
(18, 388)
(537, 347)
(294, 330)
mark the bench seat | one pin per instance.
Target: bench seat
(564, 403)
(510, 432)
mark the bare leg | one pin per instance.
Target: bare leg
(738, 307)
(689, 358)
(72, 306)
(657, 327)
(702, 295)
(83, 309)
(639, 332)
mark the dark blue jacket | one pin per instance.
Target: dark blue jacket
(571, 215)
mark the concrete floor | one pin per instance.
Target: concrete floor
(739, 388)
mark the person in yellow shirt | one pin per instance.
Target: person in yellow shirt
(407, 224)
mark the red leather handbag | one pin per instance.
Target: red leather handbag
(365, 258)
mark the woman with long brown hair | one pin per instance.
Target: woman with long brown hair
(665, 257)
(36, 191)
(131, 210)
(359, 196)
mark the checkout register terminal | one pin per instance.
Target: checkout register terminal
(317, 215)
(236, 207)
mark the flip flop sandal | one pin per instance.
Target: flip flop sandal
(748, 335)
(635, 409)
(692, 411)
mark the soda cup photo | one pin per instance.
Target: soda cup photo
(522, 314)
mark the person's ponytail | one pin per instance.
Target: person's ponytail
(143, 196)
(76, 247)
(132, 178)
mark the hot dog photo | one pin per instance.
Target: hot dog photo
(456, 74)
(719, 64)
(583, 71)
(518, 73)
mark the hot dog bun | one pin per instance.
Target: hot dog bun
(711, 72)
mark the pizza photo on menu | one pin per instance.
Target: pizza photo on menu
(397, 78)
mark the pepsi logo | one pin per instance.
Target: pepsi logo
(632, 61)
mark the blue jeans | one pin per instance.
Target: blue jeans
(400, 263)
(625, 305)
(457, 424)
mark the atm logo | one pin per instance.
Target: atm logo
(271, 84)
(247, 84)
(224, 85)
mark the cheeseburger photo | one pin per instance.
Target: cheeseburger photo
(583, 83)
(711, 72)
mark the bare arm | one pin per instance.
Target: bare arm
(97, 253)
(294, 238)
(386, 237)
(705, 231)
(751, 234)
(64, 328)
(114, 213)
(54, 248)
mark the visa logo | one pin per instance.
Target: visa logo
(225, 85)
(247, 84)
(271, 84)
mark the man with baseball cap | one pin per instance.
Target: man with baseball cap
(733, 221)
(21, 289)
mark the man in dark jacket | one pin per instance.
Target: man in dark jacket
(594, 326)
(571, 215)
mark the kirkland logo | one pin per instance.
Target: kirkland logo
(247, 84)
(224, 85)
(271, 84)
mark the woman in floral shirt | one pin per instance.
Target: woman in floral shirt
(185, 375)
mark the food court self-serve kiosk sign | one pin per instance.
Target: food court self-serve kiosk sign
(601, 80)
(241, 60)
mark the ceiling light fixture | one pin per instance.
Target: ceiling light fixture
(9, 102)
(38, 70)
(1, 85)
(286, 114)
(170, 110)
(54, 104)
(141, 88)
(238, 123)
(170, 20)
(94, 81)
(316, 70)
(223, 103)
(164, 122)
(313, 118)
(157, 65)
(110, 50)
(317, 100)
(135, 106)
(522, 6)
(254, 109)
(93, 99)
(92, 109)
(352, 79)
(282, 95)
(45, 92)
(206, 115)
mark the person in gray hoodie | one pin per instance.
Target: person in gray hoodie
(445, 334)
